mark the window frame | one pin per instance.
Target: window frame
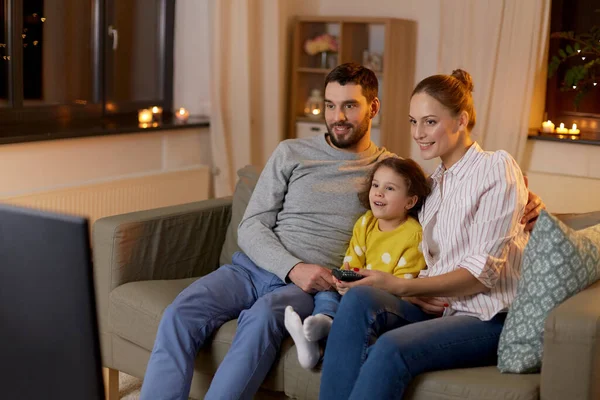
(16, 114)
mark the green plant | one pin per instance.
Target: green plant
(580, 77)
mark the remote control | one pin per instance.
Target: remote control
(346, 275)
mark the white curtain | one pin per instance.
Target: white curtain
(248, 76)
(503, 45)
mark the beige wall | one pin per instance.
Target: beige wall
(58, 164)
(565, 175)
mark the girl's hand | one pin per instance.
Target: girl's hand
(341, 288)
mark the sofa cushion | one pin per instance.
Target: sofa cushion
(135, 310)
(558, 262)
(471, 383)
(241, 196)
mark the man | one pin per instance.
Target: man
(295, 230)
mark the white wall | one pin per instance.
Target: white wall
(36, 167)
(565, 175)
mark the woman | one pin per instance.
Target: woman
(386, 330)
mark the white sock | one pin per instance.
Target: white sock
(308, 352)
(316, 327)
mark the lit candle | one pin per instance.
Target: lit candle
(144, 116)
(574, 130)
(547, 126)
(182, 115)
(157, 113)
(562, 129)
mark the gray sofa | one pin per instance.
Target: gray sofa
(143, 260)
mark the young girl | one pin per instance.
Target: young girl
(386, 238)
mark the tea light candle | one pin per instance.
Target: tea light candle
(182, 115)
(157, 113)
(574, 130)
(562, 129)
(144, 116)
(547, 126)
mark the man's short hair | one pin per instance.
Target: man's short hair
(356, 74)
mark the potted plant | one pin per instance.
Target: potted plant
(584, 75)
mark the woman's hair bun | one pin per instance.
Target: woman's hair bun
(464, 77)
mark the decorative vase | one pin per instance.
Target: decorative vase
(323, 59)
(328, 60)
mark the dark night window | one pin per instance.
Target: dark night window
(64, 60)
(578, 16)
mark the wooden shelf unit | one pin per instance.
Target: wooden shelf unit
(355, 35)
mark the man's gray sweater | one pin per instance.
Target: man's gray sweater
(305, 205)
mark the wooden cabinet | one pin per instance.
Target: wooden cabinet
(392, 39)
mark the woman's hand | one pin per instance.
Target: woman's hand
(377, 279)
(429, 305)
(534, 207)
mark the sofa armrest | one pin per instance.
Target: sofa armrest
(174, 242)
(571, 363)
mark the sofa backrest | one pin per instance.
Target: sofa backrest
(248, 176)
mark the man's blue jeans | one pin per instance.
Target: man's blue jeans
(378, 343)
(241, 290)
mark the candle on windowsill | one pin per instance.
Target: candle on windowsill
(547, 127)
(156, 113)
(574, 130)
(145, 116)
(561, 129)
(182, 115)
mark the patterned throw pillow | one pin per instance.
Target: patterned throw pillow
(558, 262)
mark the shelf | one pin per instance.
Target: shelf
(313, 70)
(393, 39)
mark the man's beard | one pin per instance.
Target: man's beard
(357, 134)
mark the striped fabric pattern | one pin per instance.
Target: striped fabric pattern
(471, 220)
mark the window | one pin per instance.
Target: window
(82, 59)
(578, 16)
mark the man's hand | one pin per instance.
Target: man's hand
(534, 207)
(429, 305)
(311, 277)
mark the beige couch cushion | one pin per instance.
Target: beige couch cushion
(472, 383)
(136, 309)
(243, 191)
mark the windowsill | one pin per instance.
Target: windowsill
(90, 128)
(590, 138)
